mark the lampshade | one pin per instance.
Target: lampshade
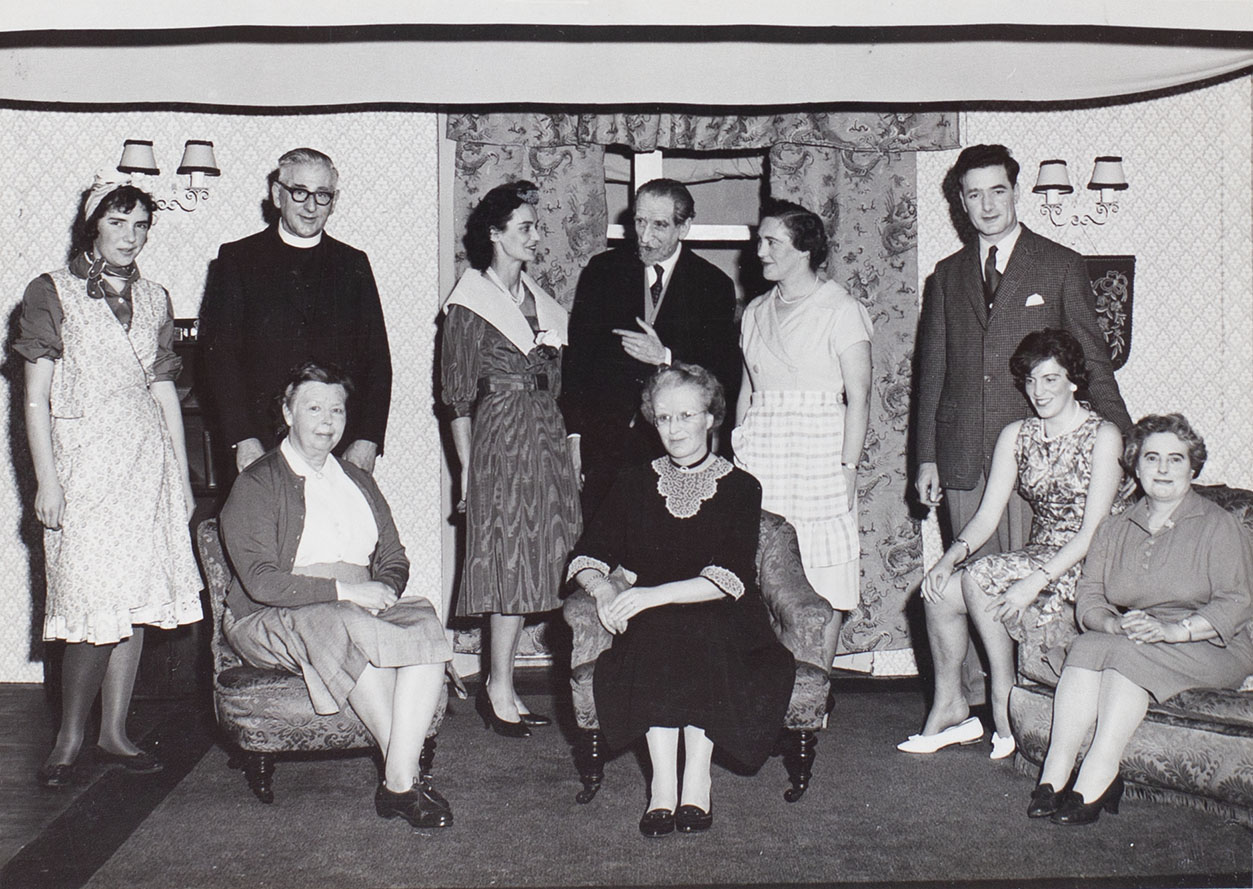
(137, 157)
(1053, 177)
(1107, 173)
(198, 158)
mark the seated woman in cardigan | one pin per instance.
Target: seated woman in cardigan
(319, 585)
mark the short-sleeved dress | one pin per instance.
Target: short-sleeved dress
(123, 554)
(793, 434)
(1053, 477)
(522, 507)
(716, 665)
(1200, 562)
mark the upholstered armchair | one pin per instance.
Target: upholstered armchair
(266, 713)
(798, 616)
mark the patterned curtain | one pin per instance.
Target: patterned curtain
(869, 202)
(856, 170)
(861, 131)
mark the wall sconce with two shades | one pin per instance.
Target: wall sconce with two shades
(1053, 181)
(198, 162)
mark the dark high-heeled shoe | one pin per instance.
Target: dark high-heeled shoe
(1045, 800)
(483, 704)
(1075, 811)
(536, 720)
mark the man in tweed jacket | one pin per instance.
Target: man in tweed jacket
(968, 331)
(966, 394)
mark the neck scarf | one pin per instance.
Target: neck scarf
(97, 268)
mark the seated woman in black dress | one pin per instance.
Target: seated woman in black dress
(319, 585)
(1164, 605)
(670, 560)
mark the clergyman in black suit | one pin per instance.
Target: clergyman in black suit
(638, 307)
(284, 296)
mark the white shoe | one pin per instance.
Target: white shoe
(968, 731)
(1002, 747)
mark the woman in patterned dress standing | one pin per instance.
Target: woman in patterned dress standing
(1064, 462)
(106, 436)
(804, 405)
(501, 374)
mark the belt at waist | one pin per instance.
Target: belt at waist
(512, 383)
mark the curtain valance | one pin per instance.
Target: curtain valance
(856, 131)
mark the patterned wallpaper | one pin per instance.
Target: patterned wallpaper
(388, 207)
(1186, 218)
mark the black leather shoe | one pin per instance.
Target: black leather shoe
(693, 819)
(538, 720)
(657, 823)
(1075, 811)
(55, 776)
(141, 763)
(1045, 800)
(420, 805)
(483, 704)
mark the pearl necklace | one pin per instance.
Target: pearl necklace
(791, 302)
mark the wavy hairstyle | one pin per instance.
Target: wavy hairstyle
(492, 213)
(680, 374)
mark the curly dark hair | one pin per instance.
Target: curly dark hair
(1177, 425)
(805, 228)
(310, 372)
(122, 199)
(680, 374)
(1041, 345)
(493, 212)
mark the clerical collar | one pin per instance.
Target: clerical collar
(296, 241)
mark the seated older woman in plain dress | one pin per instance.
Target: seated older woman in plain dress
(1164, 605)
(319, 577)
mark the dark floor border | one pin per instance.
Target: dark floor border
(87, 834)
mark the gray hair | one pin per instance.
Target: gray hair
(299, 156)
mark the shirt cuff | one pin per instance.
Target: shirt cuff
(578, 563)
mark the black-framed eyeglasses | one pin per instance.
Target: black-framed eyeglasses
(300, 195)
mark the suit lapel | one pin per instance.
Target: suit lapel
(675, 289)
(974, 277)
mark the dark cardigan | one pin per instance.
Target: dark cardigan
(261, 524)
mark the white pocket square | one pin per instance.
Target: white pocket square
(1034, 300)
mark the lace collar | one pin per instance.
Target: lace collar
(686, 491)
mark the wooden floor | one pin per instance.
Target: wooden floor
(26, 735)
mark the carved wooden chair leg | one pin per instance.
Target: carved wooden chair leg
(426, 761)
(589, 757)
(259, 770)
(799, 757)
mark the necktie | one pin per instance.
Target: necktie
(991, 278)
(654, 291)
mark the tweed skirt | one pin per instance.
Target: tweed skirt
(791, 441)
(330, 643)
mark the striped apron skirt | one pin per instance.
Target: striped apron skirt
(792, 442)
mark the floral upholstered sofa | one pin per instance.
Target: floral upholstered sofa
(1195, 749)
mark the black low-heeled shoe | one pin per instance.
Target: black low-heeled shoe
(420, 805)
(693, 819)
(141, 763)
(536, 720)
(1075, 811)
(1045, 800)
(657, 823)
(483, 704)
(55, 776)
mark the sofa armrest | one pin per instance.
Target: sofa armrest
(588, 636)
(799, 614)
